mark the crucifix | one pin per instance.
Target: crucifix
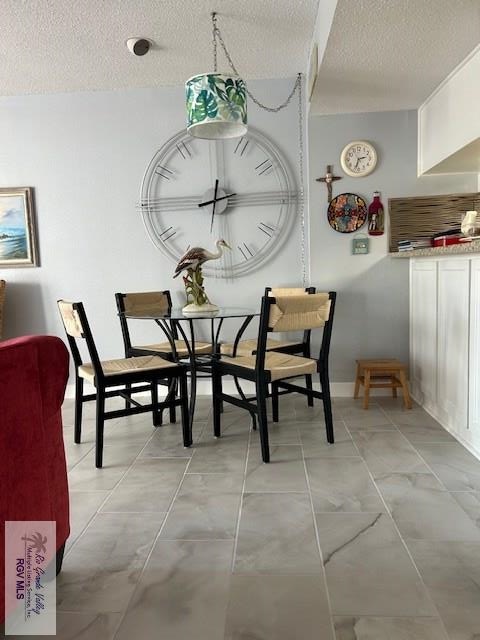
(328, 179)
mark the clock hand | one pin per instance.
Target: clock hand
(214, 204)
(204, 204)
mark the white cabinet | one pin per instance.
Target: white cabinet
(423, 331)
(445, 342)
(474, 355)
(453, 343)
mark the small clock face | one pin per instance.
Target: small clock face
(196, 191)
(358, 158)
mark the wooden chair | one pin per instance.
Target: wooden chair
(121, 374)
(279, 314)
(302, 347)
(383, 374)
(3, 285)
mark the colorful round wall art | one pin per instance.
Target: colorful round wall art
(347, 212)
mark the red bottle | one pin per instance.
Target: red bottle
(376, 216)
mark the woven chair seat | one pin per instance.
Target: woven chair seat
(279, 365)
(248, 347)
(124, 365)
(180, 346)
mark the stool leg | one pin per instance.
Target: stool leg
(394, 388)
(357, 382)
(366, 396)
(406, 394)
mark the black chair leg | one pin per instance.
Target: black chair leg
(187, 434)
(309, 386)
(327, 406)
(274, 402)
(59, 559)
(262, 419)
(78, 409)
(217, 402)
(100, 425)
(172, 394)
(156, 414)
(128, 390)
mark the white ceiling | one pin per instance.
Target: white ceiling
(385, 55)
(66, 45)
(380, 54)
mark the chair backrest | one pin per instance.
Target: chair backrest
(288, 291)
(142, 303)
(77, 327)
(293, 313)
(294, 291)
(3, 285)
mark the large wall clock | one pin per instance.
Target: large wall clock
(195, 192)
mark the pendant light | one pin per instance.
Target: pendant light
(216, 102)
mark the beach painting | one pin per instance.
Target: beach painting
(17, 228)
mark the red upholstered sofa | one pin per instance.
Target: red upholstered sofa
(33, 474)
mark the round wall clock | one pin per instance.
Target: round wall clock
(358, 158)
(347, 212)
(242, 190)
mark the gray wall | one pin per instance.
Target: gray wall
(372, 312)
(85, 154)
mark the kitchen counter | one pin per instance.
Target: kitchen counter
(453, 249)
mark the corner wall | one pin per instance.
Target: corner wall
(372, 309)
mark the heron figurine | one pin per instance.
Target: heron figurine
(191, 262)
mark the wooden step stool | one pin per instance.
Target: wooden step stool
(385, 374)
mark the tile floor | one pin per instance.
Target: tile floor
(376, 537)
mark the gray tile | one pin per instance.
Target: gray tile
(372, 419)
(277, 535)
(168, 444)
(87, 626)
(388, 453)
(368, 569)
(458, 469)
(423, 510)
(424, 433)
(342, 484)
(183, 593)
(284, 432)
(206, 507)
(220, 455)
(83, 506)
(451, 571)
(278, 607)
(116, 461)
(149, 485)
(470, 503)
(101, 570)
(315, 445)
(285, 472)
(369, 628)
(75, 452)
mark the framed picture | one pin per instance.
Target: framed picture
(18, 240)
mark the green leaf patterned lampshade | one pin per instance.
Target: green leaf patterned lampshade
(216, 106)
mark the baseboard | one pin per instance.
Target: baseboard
(475, 451)
(204, 388)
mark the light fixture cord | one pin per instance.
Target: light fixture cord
(218, 36)
(297, 88)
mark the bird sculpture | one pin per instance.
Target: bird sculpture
(196, 256)
(192, 262)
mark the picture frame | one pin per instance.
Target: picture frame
(18, 237)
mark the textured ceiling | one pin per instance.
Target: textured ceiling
(384, 55)
(67, 45)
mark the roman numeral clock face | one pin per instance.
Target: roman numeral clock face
(196, 192)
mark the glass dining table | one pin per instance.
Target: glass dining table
(177, 325)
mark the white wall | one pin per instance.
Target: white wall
(372, 312)
(85, 154)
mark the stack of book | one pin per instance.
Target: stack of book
(409, 245)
